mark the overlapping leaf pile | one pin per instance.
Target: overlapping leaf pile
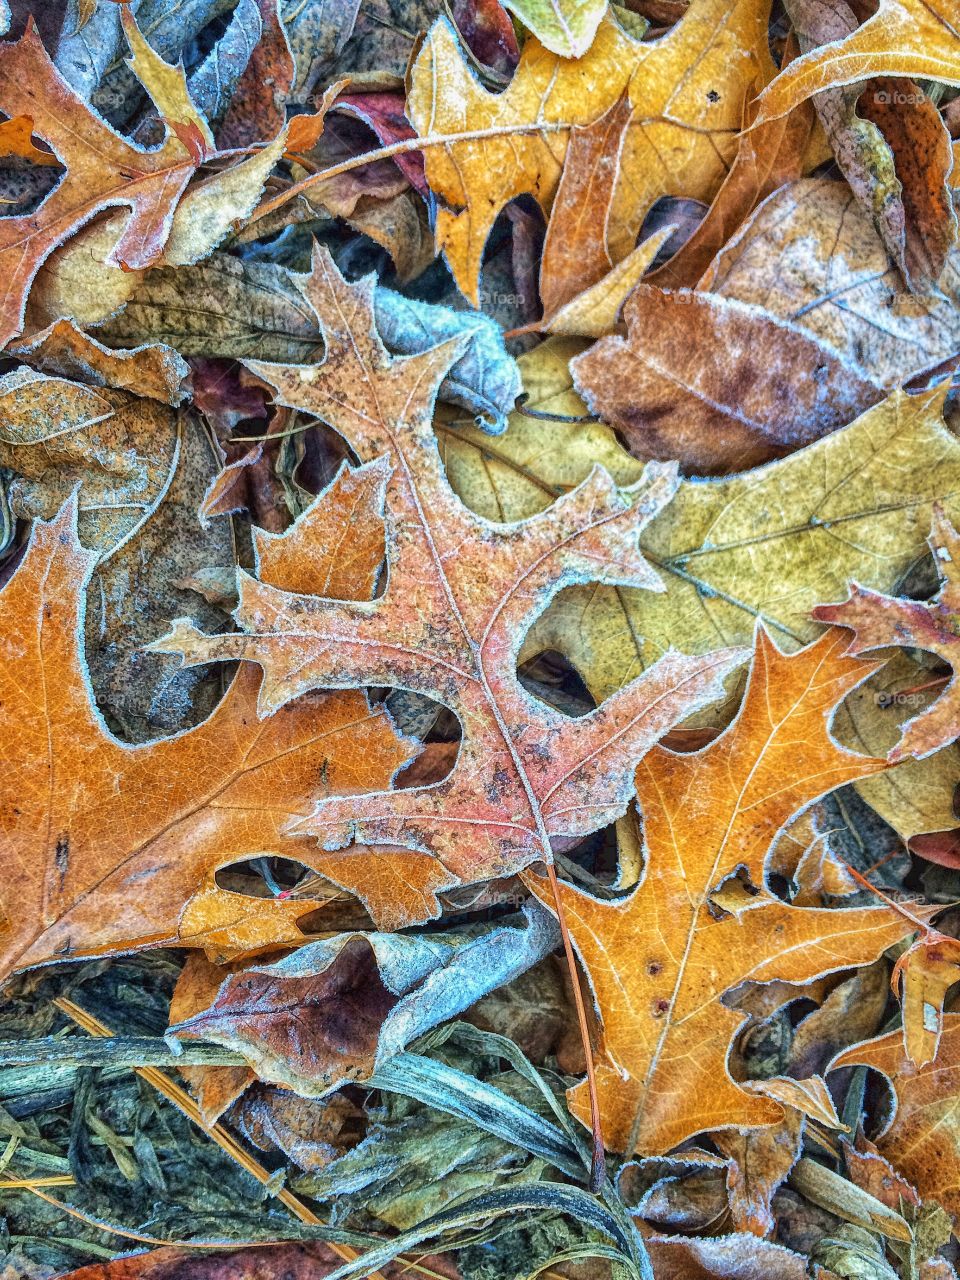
(479, 639)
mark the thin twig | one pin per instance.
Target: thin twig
(221, 1136)
(397, 149)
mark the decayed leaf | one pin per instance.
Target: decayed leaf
(660, 959)
(225, 307)
(766, 544)
(460, 594)
(812, 256)
(566, 27)
(720, 385)
(878, 621)
(758, 1162)
(138, 588)
(892, 147)
(903, 38)
(154, 371)
(88, 821)
(334, 1011)
(309, 1261)
(103, 170)
(120, 448)
(733, 1257)
(686, 91)
(922, 1138)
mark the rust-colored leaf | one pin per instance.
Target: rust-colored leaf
(103, 170)
(922, 1138)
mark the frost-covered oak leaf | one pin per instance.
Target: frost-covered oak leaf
(703, 919)
(878, 621)
(107, 846)
(461, 593)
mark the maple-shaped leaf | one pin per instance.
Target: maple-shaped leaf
(685, 91)
(703, 920)
(461, 593)
(921, 1138)
(879, 621)
(105, 846)
(103, 169)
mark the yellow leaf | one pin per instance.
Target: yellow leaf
(686, 92)
(903, 38)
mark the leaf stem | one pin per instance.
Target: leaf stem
(403, 147)
(598, 1162)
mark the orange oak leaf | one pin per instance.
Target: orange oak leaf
(107, 846)
(103, 171)
(879, 621)
(460, 595)
(922, 1137)
(702, 919)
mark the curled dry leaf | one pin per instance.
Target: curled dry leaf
(450, 625)
(660, 959)
(922, 977)
(902, 38)
(892, 147)
(921, 1136)
(334, 1011)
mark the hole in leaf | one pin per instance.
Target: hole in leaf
(552, 679)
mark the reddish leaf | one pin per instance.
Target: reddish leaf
(461, 593)
(878, 621)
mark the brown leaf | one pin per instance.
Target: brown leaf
(335, 1010)
(660, 959)
(576, 254)
(215, 1088)
(736, 1257)
(892, 147)
(922, 1138)
(811, 255)
(720, 385)
(461, 593)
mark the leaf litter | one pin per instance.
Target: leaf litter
(478, 503)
